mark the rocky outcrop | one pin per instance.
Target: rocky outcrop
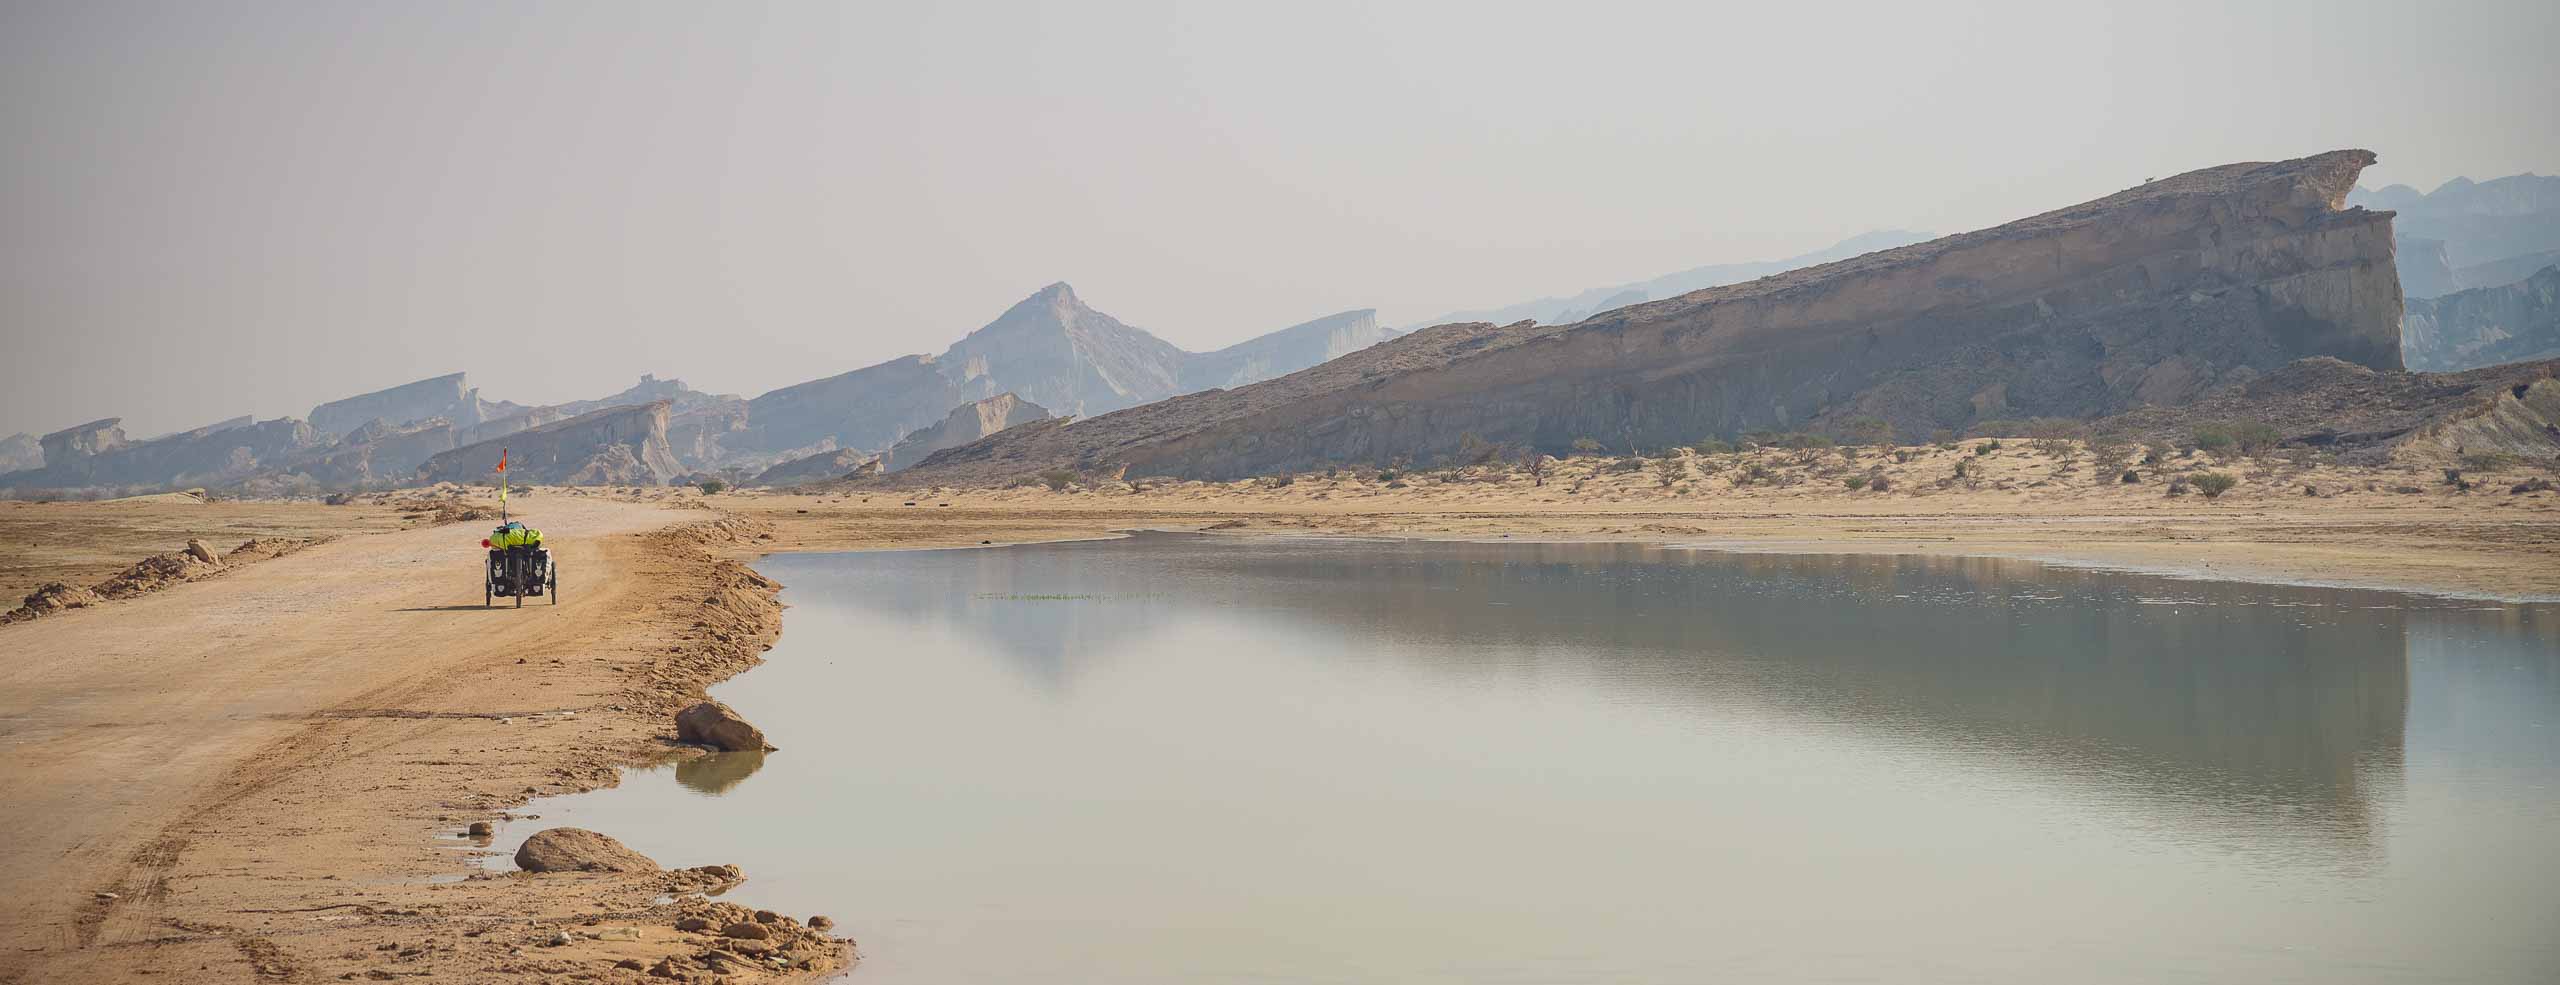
(375, 454)
(868, 408)
(96, 457)
(578, 850)
(2153, 295)
(74, 443)
(615, 446)
(1281, 353)
(448, 397)
(966, 423)
(19, 452)
(710, 723)
(2485, 326)
(838, 464)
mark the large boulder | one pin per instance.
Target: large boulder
(711, 723)
(578, 850)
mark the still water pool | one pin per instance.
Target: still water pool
(1189, 759)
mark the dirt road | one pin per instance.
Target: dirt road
(303, 733)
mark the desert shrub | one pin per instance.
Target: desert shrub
(2255, 436)
(2483, 461)
(1963, 469)
(2156, 451)
(1855, 482)
(1879, 483)
(2053, 447)
(1389, 475)
(2214, 438)
(2214, 484)
(1943, 438)
(1987, 447)
(2111, 455)
(1474, 450)
(1902, 456)
(1711, 446)
(1536, 464)
(711, 486)
(1671, 469)
(1756, 474)
(1628, 464)
(1058, 479)
(1588, 446)
(1867, 430)
(1278, 481)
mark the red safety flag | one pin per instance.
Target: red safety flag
(502, 459)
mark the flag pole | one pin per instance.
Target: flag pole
(502, 486)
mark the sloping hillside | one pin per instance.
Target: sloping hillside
(2152, 295)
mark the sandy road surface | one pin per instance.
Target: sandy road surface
(170, 748)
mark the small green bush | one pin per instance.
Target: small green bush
(2214, 484)
(2214, 438)
(1711, 446)
(711, 486)
(1058, 479)
(2254, 437)
(1856, 482)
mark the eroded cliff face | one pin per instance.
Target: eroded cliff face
(966, 423)
(445, 396)
(2152, 295)
(615, 446)
(2485, 326)
(96, 457)
(20, 451)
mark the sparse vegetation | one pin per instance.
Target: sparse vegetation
(1856, 482)
(1537, 465)
(1588, 446)
(1867, 430)
(2214, 484)
(1058, 479)
(711, 487)
(1711, 446)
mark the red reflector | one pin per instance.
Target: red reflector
(484, 541)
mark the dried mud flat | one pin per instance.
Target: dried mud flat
(265, 776)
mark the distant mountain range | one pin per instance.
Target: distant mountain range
(1050, 350)
(2484, 326)
(1573, 308)
(2470, 234)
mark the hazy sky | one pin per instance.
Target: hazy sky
(216, 208)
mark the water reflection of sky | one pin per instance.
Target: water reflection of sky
(1459, 740)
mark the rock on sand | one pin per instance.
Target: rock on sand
(711, 723)
(578, 850)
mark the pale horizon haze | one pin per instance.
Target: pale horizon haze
(226, 208)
